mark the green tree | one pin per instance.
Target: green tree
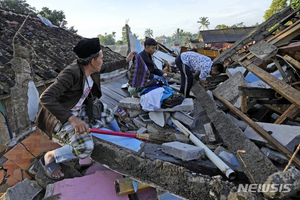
(221, 26)
(19, 6)
(204, 22)
(72, 30)
(119, 42)
(238, 25)
(294, 3)
(275, 7)
(107, 39)
(148, 33)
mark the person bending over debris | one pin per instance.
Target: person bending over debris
(146, 54)
(65, 108)
(190, 61)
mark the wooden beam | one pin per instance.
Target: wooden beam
(286, 35)
(272, 141)
(292, 112)
(244, 104)
(257, 92)
(280, 86)
(284, 76)
(292, 60)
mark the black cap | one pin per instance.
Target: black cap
(150, 41)
(87, 47)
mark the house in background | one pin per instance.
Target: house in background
(223, 38)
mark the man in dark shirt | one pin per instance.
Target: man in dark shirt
(146, 54)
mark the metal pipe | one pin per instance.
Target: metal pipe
(230, 174)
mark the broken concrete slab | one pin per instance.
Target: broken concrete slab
(274, 155)
(134, 113)
(229, 89)
(209, 132)
(134, 103)
(186, 105)
(159, 118)
(263, 50)
(257, 163)
(131, 103)
(241, 124)
(183, 151)
(27, 189)
(283, 184)
(288, 136)
(159, 174)
(185, 118)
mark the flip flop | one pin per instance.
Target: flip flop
(50, 168)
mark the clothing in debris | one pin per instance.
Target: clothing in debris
(150, 64)
(139, 72)
(187, 62)
(153, 99)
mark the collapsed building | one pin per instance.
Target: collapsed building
(248, 117)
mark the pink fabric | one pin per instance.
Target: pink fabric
(99, 185)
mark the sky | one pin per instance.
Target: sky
(94, 17)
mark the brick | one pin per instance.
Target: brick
(183, 151)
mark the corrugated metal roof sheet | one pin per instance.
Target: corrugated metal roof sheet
(224, 35)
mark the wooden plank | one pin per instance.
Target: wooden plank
(291, 112)
(272, 141)
(286, 35)
(244, 104)
(276, 110)
(292, 60)
(257, 92)
(284, 76)
(280, 86)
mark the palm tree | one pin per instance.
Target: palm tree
(204, 22)
(148, 33)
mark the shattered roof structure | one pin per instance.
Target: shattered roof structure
(224, 35)
(51, 49)
(257, 144)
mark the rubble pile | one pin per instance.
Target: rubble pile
(235, 138)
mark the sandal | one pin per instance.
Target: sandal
(50, 168)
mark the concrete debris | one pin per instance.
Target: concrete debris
(284, 184)
(183, 151)
(168, 161)
(288, 136)
(184, 118)
(257, 163)
(209, 132)
(229, 89)
(274, 155)
(27, 189)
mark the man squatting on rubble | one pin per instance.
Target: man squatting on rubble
(146, 54)
(190, 61)
(63, 109)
